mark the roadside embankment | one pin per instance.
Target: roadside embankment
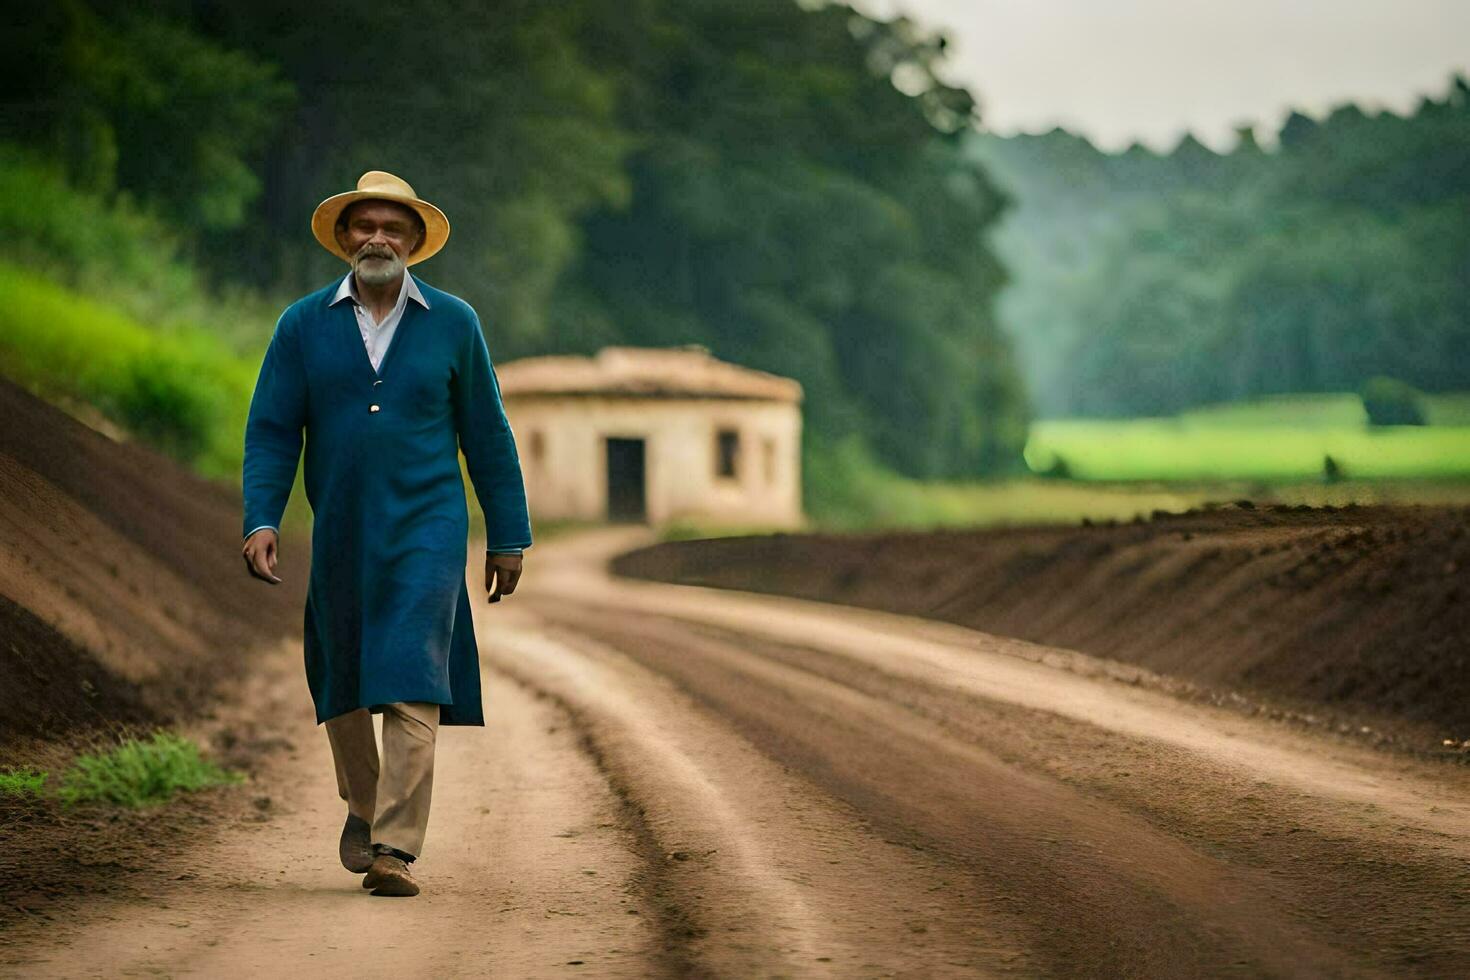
(122, 593)
(124, 606)
(1356, 617)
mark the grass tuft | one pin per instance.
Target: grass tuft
(141, 772)
(21, 781)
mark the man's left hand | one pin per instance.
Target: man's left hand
(502, 572)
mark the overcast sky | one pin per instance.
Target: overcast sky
(1120, 70)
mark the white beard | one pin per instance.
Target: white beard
(374, 270)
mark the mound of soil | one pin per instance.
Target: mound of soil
(1362, 608)
(124, 605)
(123, 597)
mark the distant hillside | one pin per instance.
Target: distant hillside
(1147, 283)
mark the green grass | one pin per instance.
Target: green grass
(1283, 439)
(847, 490)
(21, 781)
(116, 253)
(183, 392)
(141, 772)
(1131, 477)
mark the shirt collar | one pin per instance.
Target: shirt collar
(347, 289)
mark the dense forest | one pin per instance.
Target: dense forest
(786, 185)
(1145, 283)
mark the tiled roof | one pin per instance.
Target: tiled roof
(651, 371)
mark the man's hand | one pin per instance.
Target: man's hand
(502, 572)
(260, 555)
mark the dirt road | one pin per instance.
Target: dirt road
(682, 781)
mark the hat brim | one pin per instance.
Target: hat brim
(324, 222)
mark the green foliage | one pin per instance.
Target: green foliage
(141, 772)
(843, 485)
(795, 211)
(1056, 468)
(1333, 410)
(790, 185)
(1452, 408)
(852, 493)
(119, 255)
(1148, 283)
(137, 103)
(72, 232)
(848, 489)
(21, 781)
(183, 391)
(513, 132)
(1389, 401)
(783, 185)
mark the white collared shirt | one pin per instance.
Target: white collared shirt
(377, 336)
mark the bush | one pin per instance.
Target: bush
(1389, 401)
(162, 402)
(119, 255)
(51, 225)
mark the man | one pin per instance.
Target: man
(389, 379)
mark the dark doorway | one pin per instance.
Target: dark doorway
(625, 496)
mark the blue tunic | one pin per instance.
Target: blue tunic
(387, 609)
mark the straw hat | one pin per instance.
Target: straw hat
(382, 186)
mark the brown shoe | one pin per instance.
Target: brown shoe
(355, 847)
(389, 876)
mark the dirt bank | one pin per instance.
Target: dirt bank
(123, 605)
(1358, 614)
(122, 593)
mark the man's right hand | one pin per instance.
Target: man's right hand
(260, 555)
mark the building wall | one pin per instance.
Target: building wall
(564, 457)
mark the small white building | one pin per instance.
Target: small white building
(655, 435)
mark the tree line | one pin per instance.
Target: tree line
(786, 185)
(1145, 283)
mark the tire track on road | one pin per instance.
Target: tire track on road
(778, 879)
(1102, 891)
(998, 668)
(673, 924)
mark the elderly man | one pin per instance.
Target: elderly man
(389, 379)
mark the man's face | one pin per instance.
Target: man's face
(379, 235)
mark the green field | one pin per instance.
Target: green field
(1267, 451)
(1272, 440)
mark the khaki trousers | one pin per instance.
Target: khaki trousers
(393, 798)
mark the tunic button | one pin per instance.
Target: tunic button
(372, 408)
(378, 382)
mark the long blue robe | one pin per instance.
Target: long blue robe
(388, 608)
